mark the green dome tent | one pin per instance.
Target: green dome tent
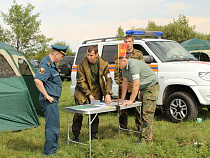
(196, 44)
(18, 93)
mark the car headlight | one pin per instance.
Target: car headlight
(204, 75)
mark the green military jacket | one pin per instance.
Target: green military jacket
(136, 54)
(83, 86)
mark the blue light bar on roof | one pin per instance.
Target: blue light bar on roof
(144, 33)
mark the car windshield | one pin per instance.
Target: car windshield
(170, 51)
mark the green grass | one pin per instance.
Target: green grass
(170, 140)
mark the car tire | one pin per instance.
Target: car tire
(181, 106)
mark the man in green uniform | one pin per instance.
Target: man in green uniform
(133, 54)
(93, 82)
(145, 80)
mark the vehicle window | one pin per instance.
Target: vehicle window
(139, 47)
(67, 59)
(170, 51)
(108, 53)
(81, 53)
(24, 67)
(6, 70)
(71, 60)
(197, 55)
(62, 62)
(205, 57)
(201, 56)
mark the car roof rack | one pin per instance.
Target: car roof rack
(107, 38)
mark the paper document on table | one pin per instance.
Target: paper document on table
(111, 104)
(95, 102)
(86, 106)
(93, 108)
(120, 103)
(96, 105)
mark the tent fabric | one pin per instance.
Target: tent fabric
(27, 70)
(196, 44)
(18, 93)
(35, 94)
(17, 111)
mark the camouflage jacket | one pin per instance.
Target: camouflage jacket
(136, 54)
(83, 86)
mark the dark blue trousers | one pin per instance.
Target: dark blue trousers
(52, 125)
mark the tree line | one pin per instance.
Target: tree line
(24, 31)
(179, 30)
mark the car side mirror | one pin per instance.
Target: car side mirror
(148, 59)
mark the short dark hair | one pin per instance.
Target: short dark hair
(93, 48)
(116, 57)
(129, 36)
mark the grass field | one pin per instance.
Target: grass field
(186, 139)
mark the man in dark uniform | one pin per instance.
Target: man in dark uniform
(133, 54)
(93, 82)
(145, 80)
(47, 80)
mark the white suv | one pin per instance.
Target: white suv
(184, 81)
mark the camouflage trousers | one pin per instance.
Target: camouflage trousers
(148, 97)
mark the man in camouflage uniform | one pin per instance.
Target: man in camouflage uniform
(91, 72)
(145, 80)
(134, 54)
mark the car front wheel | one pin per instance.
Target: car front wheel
(181, 106)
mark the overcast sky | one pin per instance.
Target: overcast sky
(74, 21)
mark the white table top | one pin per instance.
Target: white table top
(102, 107)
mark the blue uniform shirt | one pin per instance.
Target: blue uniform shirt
(48, 73)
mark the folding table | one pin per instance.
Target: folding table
(96, 109)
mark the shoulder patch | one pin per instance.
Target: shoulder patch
(48, 63)
(41, 70)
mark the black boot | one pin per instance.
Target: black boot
(93, 137)
(76, 138)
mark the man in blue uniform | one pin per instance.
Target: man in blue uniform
(48, 82)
